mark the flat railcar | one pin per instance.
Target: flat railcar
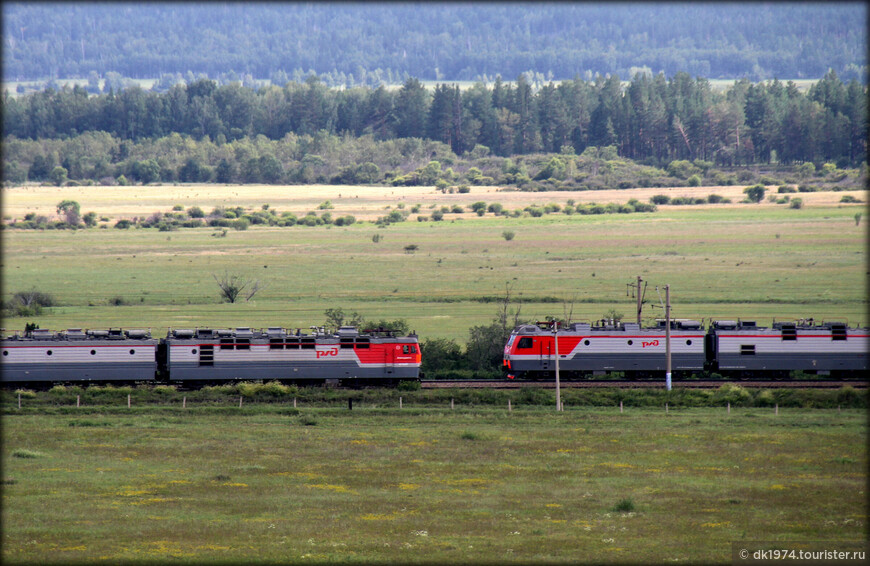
(111, 355)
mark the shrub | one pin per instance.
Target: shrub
(508, 235)
(624, 506)
(785, 189)
(849, 199)
(755, 193)
(796, 203)
(123, 224)
(694, 181)
(660, 199)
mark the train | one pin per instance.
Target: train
(349, 356)
(201, 356)
(733, 349)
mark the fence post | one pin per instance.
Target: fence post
(294, 402)
(620, 406)
(666, 408)
(19, 400)
(184, 402)
(400, 402)
(240, 401)
(128, 400)
(451, 403)
(78, 401)
(729, 407)
(349, 404)
(776, 409)
(509, 406)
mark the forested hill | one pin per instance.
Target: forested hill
(362, 43)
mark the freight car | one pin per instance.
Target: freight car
(209, 356)
(733, 349)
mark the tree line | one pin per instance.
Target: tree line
(651, 120)
(433, 41)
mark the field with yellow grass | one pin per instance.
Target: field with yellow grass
(760, 261)
(426, 485)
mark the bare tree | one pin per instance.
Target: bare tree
(232, 286)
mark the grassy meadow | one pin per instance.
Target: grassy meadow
(760, 261)
(426, 484)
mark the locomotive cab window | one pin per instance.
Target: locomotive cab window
(405, 349)
(524, 343)
(747, 349)
(227, 343)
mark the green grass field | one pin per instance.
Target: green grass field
(425, 484)
(742, 261)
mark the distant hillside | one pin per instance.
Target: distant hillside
(359, 43)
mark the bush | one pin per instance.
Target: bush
(755, 193)
(508, 235)
(785, 189)
(660, 199)
(796, 203)
(694, 181)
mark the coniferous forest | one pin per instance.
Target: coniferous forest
(303, 133)
(352, 43)
(629, 92)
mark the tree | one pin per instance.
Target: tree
(755, 193)
(233, 285)
(70, 210)
(336, 318)
(58, 175)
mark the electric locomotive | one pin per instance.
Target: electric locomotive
(733, 349)
(607, 346)
(43, 356)
(743, 349)
(202, 355)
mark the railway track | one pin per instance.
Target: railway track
(622, 384)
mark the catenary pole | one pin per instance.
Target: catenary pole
(668, 336)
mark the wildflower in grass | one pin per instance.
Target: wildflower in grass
(716, 525)
(408, 486)
(231, 484)
(554, 505)
(335, 488)
(777, 487)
